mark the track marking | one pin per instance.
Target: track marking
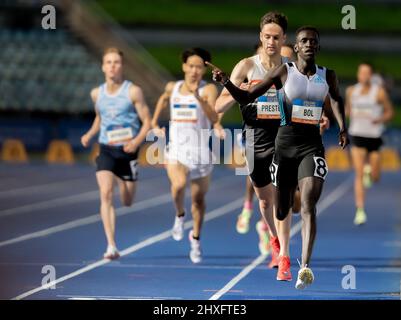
(138, 206)
(36, 188)
(136, 247)
(48, 204)
(76, 297)
(325, 203)
(58, 202)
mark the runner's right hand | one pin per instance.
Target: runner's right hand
(218, 74)
(159, 132)
(85, 139)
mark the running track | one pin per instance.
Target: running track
(49, 217)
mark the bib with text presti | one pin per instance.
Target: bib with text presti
(268, 105)
(184, 113)
(119, 134)
(304, 111)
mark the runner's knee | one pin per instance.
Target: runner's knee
(264, 204)
(106, 195)
(127, 201)
(198, 202)
(282, 210)
(308, 207)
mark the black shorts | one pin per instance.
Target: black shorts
(370, 144)
(259, 150)
(299, 153)
(258, 167)
(114, 159)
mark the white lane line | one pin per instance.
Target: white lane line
(48, 204)
(58, 202)
(117, 265)
(141, 205)
(38, 188)
(136, 247)
(75, 297)
(138, 206)
(326, 202)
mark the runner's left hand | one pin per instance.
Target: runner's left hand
(324, 123)
(343, 139)
(219, 131)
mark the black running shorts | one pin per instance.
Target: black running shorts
(258, 167)
(370, 144)
(299, 153)
(114, 159)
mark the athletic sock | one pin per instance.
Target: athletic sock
(248, 205)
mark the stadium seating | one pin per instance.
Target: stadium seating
(46, 71)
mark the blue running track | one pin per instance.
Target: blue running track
(49, 219)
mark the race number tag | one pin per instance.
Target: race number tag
(119, 134)
(304, 111)
(321, 169)
(184, 113)
(134, 170)
(268, 105)
(361, 110)
(273, 173)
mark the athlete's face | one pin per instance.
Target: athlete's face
(194, 68)
(364, 74)
(112, 65)
(307, 45)
(272, 38)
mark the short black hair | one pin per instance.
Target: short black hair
(307, 28)
(275, 17)
(204, 54)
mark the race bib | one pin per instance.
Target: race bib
(321, 168)
(184, 113)
(360, 110)
(304, 111)
(268, 105)
(119, 134)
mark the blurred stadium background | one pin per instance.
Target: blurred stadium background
(46, 75)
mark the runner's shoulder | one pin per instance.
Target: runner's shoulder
(246, 63)
(210, 87)
(94, 93)
(169, 87)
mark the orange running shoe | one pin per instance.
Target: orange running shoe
(275, 251)
(284, 269)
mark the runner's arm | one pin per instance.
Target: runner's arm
(337, 106)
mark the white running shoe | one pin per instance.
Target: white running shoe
(360, 217)
(178, 228)
(305, 278)
(196, 253)
(111, 253)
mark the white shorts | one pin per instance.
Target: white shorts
(198, 161)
